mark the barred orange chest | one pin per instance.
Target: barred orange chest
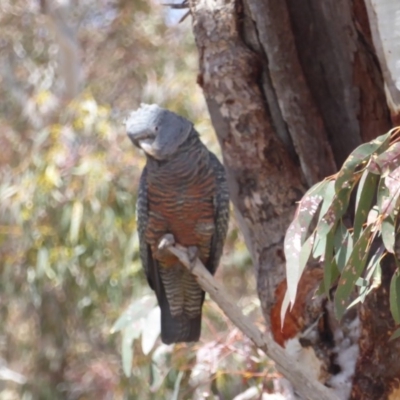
(187, 213)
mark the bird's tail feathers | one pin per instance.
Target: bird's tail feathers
(177, 329)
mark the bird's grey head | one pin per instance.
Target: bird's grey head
(157, 131)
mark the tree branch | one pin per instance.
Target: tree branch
(308, 388)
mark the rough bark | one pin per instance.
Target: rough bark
(377, 374)
(291, 92)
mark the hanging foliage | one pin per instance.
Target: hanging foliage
(321, 229)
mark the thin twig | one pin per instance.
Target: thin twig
(308, 387)
(176, 6)
(179, 6)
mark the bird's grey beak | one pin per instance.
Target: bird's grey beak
(143, 140)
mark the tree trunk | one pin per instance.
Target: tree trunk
(291, 90)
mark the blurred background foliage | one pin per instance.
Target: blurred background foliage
(69, 267)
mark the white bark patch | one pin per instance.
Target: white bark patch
(346, 350)
(257, 199)
(305, 357)
(384, 18)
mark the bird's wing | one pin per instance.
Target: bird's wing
(142, 217)
(221, 214)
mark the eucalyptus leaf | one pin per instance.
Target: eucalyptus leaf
(389, 159)
(383, 195)
(395, 334)
(76, 220)
(177, 386)
(336, 210)
(352, 271)
(328, 197)
(297, 232)
(343, 246)
(153, 329)
(160, 365)
(319, 245)
(390, 197)
(306, 252)
(365, 195)
(129, 334)
(137, 310)
(388, 234)
(359, 158)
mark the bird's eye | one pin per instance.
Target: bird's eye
(156, 128)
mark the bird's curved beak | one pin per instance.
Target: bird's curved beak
(143, 139)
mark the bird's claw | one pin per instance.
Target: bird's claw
(166, 241)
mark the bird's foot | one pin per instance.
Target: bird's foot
(166, 241)
(193, 253)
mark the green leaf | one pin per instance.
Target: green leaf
(305, 253)
(137, 310)
(296, 233)
(373, 277)
(340, 235)
(365, 195)
(309, 204)
(371, 281)
(335, 211)
(328, 196)
(330, 268)
(390, 199)
(343, 246)
(319, 246)
(382, 196)
(376, 258)
(395, 296)
(359, 158)
(395, 334)
(388, 234)
(373, 215)
(177, 386)
(43, 264)
(331, 272)
(303, 258)
(352, 271)
(389, 159)
(160, 366)
(76, 219)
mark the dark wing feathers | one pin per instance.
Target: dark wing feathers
(142, 216)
